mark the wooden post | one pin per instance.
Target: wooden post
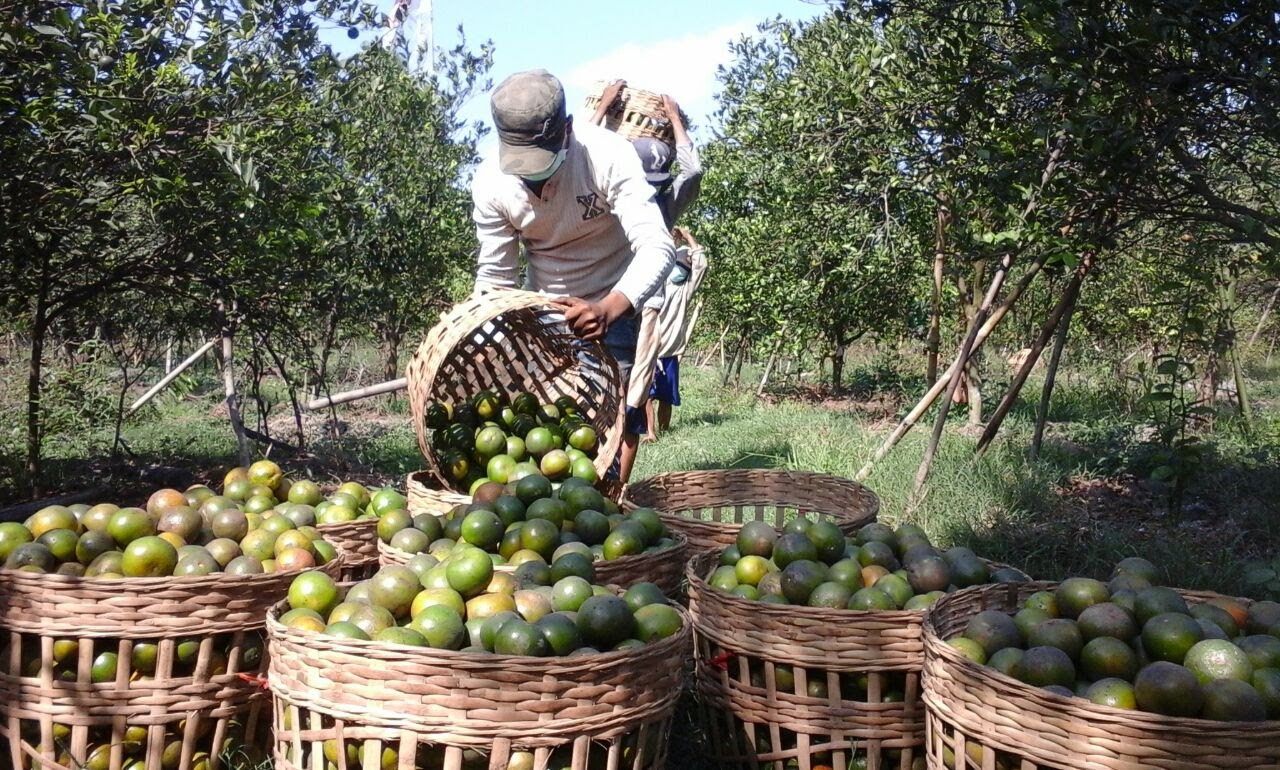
(171, 376)
(1050, 375)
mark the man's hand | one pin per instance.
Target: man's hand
(683, 233)
(678, 127)
(611, 92)
(590, 320)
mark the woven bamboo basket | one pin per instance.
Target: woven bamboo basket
(358, 541)
(515, 341)
(993, 720)
(636, 113)
(425, 495)
(709, 507)
(443, 709)
(204, 635)
(663, 567)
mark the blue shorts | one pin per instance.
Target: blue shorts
(620, 340)
(666, 381)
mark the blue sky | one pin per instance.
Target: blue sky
(662, 45)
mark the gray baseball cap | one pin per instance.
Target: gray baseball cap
(529, 113)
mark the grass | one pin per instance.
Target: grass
(1079, 508)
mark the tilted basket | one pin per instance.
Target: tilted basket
(992, 720)
(509, 341)
(188, 654)
(709, 507)
(444, 709)
(635, 113)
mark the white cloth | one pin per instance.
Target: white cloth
(674, 322)
(646, 358)
(595, 228)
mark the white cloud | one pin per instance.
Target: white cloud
(684, 67)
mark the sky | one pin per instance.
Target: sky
(662, 45)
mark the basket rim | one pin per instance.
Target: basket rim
(680, 542)
(139, 584)
(1074, 707)
(784, 611)
(553, 665)
(655, 485)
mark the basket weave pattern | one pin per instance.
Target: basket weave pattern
(736, 638)
(327, 687)
(358, 540)
(636, 113)
(515, 341)
(709, 507)
(223, 614)
(974, 711)
(425, 496)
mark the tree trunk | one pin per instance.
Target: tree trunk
(293, 395)
(39, 328)
(837, 368)
(391, 340)
(1231, 343)
(1060, 317)
(934, 342)
(229, 387)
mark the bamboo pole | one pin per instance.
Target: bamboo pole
(1061, 314)
(171, 376)
(967, 350)
(324, 402)
(940, 385)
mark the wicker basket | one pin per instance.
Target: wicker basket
(611, 710)
(636, 113)
(358, 541)
(197, 696)
(760, 724)
(663, 567)
(709, 507)
(515, 340)
(980, 714)
(425, 495)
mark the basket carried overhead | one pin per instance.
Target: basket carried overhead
(635, 113)
(168, 666)
(512, 341)
(709, 507)
(992, 720)
(424, 707)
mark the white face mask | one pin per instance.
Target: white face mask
(551, 170)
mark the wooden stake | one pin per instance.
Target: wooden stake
(1050, 375)
(171, 376)
(957, 371)
(391, 386)
(938, 387)
(1061, 314)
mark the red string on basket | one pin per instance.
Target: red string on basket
(255, 679)
(721, 661)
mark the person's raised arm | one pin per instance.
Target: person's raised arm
(632, 200)
(498, 263)
(607, 98)
(688, 184)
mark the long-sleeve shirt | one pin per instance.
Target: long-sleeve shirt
(595, 228)
(674, 321)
